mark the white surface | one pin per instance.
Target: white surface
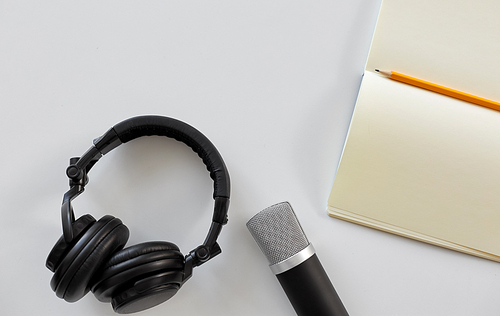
(271, 84)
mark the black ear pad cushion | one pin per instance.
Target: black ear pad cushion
(80, 285)
(131, 265)
(74, 251)
(61, 247)
(139, 250)
(92, 250)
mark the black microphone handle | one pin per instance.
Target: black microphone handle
(310, 291)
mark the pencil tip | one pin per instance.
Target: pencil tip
(383, 72)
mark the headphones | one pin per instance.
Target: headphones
(89, 256)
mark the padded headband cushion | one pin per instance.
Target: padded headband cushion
(164, 126)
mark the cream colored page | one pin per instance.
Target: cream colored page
(422, 161)
(455, 43)
(335, 212)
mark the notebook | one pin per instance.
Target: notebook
(416, 163)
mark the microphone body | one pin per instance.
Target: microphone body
(310, 291)
(294, 262)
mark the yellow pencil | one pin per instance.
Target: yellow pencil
(440, 89)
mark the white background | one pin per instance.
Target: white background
(271, 83)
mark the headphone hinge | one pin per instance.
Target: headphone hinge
(107, 142)
(220, 210)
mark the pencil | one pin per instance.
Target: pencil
(440, 89)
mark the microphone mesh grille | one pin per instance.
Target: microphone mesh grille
(278, 233)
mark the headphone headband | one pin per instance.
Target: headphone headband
(140, 126)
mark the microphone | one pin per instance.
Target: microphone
(293, 260)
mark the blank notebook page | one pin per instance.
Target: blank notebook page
(417, 163)
(455, 43)
(424, 162)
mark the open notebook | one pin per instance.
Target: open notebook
(417, 163)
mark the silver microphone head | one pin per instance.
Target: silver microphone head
(279, 235)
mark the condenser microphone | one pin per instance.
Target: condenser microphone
(293, 260)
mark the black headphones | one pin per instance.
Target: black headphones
(90, 255)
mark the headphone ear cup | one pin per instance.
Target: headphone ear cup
(71, 279)
(61, 248)
(142, 297)
(140, 277)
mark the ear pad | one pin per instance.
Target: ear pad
(140, 277)
(72, 277)
(61, 247)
